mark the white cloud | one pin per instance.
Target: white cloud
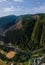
(8, 9)
(18, 0)
(18, 10)
(39, 9)
(2, 0)
(12, 8)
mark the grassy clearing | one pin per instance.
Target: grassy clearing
(2, 62)
(3, 52)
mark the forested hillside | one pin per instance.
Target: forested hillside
(28, 33)
(6, 22)
(22, 39)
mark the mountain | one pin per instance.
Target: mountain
(6, 22)
(28, 33)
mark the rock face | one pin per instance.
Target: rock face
(19, 24)
(35, 16)
(43, 64)
(1, 43)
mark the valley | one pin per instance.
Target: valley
(22, 40)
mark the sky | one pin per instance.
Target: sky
(21, 7)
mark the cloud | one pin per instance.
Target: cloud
(18, 0)
(12, 8)
(19, 10)
(2, 1)
(39, 9)
(7, 9)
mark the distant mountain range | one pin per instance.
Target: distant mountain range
(25, 31)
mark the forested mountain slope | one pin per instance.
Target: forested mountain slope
(6, 22)
(28, 33)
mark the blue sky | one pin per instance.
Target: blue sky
(21, 7)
